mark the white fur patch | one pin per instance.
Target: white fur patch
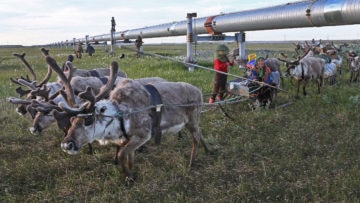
(173, 129)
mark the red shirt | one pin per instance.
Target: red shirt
(222, 66)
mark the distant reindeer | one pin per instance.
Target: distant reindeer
(306, 68)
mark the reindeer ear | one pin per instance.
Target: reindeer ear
(62, 120)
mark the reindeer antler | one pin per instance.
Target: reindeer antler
(69, 91)
(22, 92)
(44, 107)
(14, 100)
(22, 58)
(114, 68)
(88, 94)
(42, 92)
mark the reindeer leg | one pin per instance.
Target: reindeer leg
(126, 155)
(304, 88)
(320, 84)
(126, 159)
(122, 156)
(193, 151)
(297, 89)
(90, 149)
(196, 138)
(116, 159)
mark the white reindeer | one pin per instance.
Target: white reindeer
(306, 68)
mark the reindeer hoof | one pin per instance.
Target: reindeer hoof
(142, 149)
(130, 179)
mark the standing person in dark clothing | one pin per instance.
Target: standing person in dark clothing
(138, 45)
(113, 24)
(90, 50)
(221, 63)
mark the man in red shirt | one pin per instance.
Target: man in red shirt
(221, 63)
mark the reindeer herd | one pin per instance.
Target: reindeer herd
(122, 111)
(320, 63)
(104, 105)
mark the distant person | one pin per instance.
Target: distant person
(90, 50)
(138, 45)
(221, 63)
(79, 50)
(113, 24)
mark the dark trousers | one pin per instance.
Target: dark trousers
(219, 86)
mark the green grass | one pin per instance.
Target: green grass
(305, 152)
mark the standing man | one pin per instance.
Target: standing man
(113, 24)
(112, 32)
(138, 44)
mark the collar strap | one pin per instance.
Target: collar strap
(121, 116)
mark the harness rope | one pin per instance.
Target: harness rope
(211, 69)
(233, 100)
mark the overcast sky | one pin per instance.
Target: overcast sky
(39, 22)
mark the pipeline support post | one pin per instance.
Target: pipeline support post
(189, 40)
(112, 42)
(240, 39)
(86, 40)
(74, 43)
(106, 47)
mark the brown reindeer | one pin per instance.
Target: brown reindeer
(125, 118)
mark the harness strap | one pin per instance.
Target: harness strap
(103, 80)
(94, 73)
(155, 112)
(122, 122)
(302, 72)
(122, 127)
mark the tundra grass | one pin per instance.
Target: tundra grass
(305, 152)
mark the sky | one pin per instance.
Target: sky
(40, 22)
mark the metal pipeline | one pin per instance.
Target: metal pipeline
(310, 13)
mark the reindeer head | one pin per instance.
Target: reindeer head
(88, 115)
(291, 64)
(34, 88)
(355, 64)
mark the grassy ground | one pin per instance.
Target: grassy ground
(305, 152)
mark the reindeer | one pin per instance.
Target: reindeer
(98, 72)
(350, 55)
(355, 69)
(41, 111)
(45, 117)
(124, 119)
(306, 68)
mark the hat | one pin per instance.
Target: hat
(223, 48)
(259, 58)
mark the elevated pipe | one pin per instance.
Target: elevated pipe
(311, 13)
